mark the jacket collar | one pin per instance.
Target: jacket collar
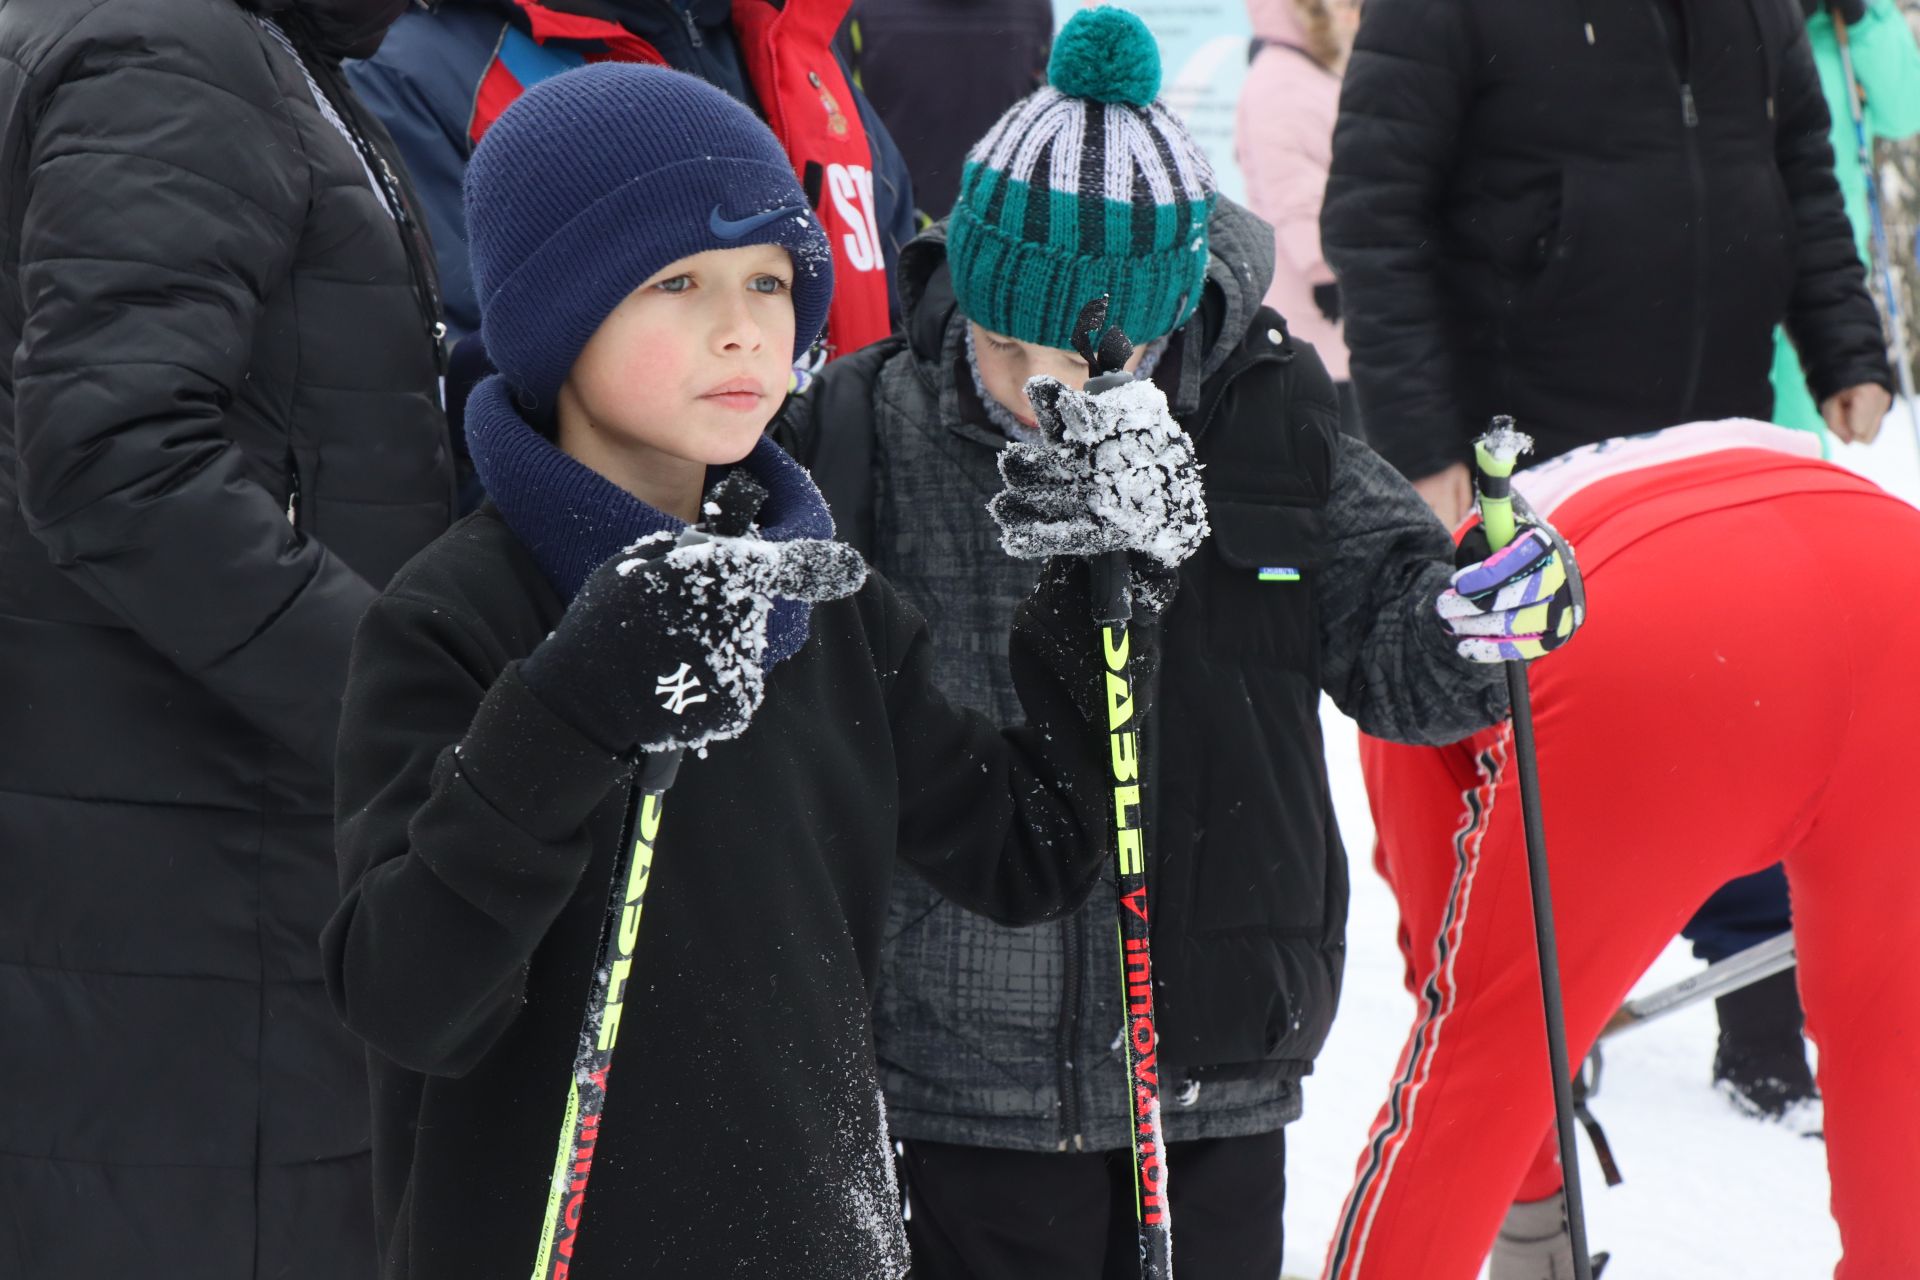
(334, 28)
(572, 519)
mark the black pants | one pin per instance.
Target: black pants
(976, 1213)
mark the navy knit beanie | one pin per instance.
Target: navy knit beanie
(594, 180)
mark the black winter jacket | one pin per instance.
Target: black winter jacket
(744, 1133)
(940, 72)
(1589, 215)
(992, 1037)
(211, 328)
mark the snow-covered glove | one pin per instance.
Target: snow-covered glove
(1520, 602)
(1114, 472)
(664, 645)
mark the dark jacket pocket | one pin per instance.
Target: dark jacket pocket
(1259, 593)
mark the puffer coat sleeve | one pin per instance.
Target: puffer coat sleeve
(1402, 105)
(1831, 316)
(136, 340)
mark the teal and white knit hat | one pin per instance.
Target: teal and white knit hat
(1087, 186)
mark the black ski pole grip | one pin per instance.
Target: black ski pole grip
(1106, 352)
(1112, 587)
(732, 505)
(658, 770)
(1112, 573)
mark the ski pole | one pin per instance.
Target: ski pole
(1883, 258)
(1494, 456)
(1106, 352)
(1722, 977)
(737, 498)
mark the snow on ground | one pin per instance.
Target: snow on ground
(1708, 1195)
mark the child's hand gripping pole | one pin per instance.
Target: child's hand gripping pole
(1106, 352)
(730, 511)
(1495, 455)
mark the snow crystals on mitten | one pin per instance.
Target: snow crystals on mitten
(716, 596)
(1115, 472)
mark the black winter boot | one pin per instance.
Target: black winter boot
(1762, 1060)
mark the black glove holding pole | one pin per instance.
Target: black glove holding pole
(1114, 481)
(663, 646)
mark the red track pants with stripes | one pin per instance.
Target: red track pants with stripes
(1746, 690)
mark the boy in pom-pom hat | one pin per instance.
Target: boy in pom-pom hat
(643, 290)
(998, 1047)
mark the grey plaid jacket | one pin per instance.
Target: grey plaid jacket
(999, 1037)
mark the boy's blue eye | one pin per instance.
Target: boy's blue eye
(770, 284)
(678, 284)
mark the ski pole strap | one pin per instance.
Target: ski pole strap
(1602, 1149)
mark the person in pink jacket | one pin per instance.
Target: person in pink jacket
(1284, 144)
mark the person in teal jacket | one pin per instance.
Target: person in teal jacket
(1886, 64)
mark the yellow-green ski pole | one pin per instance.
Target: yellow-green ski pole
(600, 1029)
(1106, 352)
(1494, 457)
(737, 498)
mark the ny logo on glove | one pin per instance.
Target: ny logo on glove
(1518, 603)
(698, 608)
(677, 690)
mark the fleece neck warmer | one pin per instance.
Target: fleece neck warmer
(573, 519)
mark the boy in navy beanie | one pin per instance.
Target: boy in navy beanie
(642, 298)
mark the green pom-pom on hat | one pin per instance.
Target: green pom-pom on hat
(1106, 55)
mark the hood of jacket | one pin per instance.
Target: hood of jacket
(1241, 253)
(336, 28)
(1276, 21)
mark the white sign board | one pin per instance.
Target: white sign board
(1203, 61)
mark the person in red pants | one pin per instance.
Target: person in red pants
(1743, 692)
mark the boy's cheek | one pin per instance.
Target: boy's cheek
(652, 358)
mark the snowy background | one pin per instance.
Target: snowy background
(1707, 1196)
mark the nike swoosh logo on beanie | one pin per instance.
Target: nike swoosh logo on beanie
(733, 229)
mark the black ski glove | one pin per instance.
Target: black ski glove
(663, 646)
(1116, 473)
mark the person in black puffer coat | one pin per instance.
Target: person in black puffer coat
(1590, 216)
(220, 433)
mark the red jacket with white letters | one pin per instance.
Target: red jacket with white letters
(445, 74)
